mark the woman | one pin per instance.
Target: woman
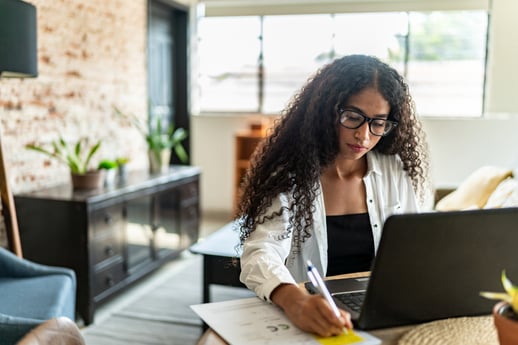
(347, 153)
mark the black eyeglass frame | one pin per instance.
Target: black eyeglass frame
(369, 120)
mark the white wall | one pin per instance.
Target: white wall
(213, 150)
(457, 146)
(502, 71)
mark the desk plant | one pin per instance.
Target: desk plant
(77, 157)
(122, 171)
(160, 141)
(505, 313)
(110, 167)
(115, 169)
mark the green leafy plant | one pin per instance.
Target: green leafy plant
(75, 156)
(510, 295)
(159, 138)
(107, 164)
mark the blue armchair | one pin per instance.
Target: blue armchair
(30, 294)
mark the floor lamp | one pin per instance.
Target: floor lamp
(18, 59)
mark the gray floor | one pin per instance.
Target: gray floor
(209, 224)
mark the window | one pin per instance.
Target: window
(229, 49)
(256, 63)
(292, 50)
(446, 68)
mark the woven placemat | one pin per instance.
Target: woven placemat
(455, 331)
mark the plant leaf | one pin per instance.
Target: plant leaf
(46, 152)
(501, 296)
(90, 154)
(67, 154)
(133, 120)
(179, 135)
(512, 291)
(77, 149)
(180, 152)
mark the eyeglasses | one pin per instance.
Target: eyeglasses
(353, 119)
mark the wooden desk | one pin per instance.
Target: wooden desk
(388, 336)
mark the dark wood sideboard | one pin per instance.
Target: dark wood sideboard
(111, 237)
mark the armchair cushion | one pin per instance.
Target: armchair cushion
(30, 294)
(47, 296)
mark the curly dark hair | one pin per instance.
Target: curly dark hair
(304, 140)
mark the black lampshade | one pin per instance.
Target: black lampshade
(18, 39)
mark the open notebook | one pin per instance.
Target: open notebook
(252, 321)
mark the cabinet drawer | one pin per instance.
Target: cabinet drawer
(107, 219)
(108, 277)
(106, 245)
(190, 214)
(189, 191)
(190, 223)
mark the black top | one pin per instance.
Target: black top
(350, 243)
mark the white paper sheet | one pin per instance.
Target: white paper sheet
(251, 321)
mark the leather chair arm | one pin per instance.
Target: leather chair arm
(57, 331)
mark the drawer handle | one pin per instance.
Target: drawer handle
(109, 280)
(107, 218)
(109, 250)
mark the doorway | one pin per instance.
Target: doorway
(167, 67)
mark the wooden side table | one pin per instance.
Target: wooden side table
(221, 264)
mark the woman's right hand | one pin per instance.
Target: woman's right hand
(311, 313)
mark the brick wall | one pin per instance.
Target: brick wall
(91, 57)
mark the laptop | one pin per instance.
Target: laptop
(432, 266)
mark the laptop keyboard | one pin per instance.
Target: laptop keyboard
(353, 300)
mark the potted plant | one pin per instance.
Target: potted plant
(505, 313)
(122, 171)
(77, 158)
(161, 141)
(110, 167)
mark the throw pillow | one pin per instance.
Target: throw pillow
(505, 194)
(475, 190)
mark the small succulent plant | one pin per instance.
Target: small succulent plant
(510, 295)
(107, 164)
